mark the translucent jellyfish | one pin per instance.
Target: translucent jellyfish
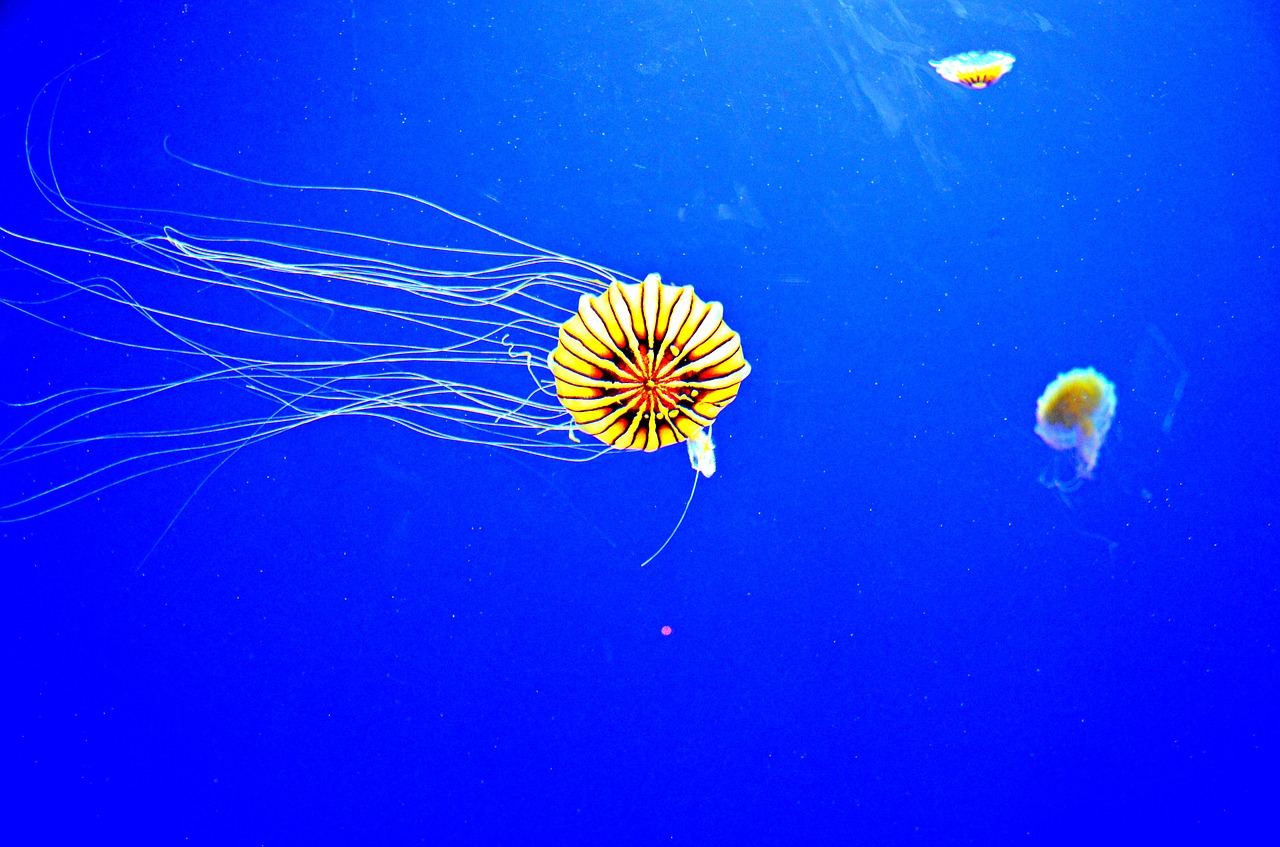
(1074, 413)
(975, 69)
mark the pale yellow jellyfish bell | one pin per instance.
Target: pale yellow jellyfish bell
(1074, 414)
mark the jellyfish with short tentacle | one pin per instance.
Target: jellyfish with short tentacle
(1074, 413)
(976, 69)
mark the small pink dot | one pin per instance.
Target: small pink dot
(666, 630)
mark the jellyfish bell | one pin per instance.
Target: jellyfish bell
(976, 69)
(645, 366)
(1074, 415)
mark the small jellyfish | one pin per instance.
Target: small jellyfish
(975, 69)
(702, 452)
(1074, 413)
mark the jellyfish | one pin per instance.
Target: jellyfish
(649, 365)
(702, 453)
(470, 337)
(975, 69)
(1074, 413)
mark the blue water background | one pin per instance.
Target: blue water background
(885, 628)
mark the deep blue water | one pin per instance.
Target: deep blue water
(885, 628)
